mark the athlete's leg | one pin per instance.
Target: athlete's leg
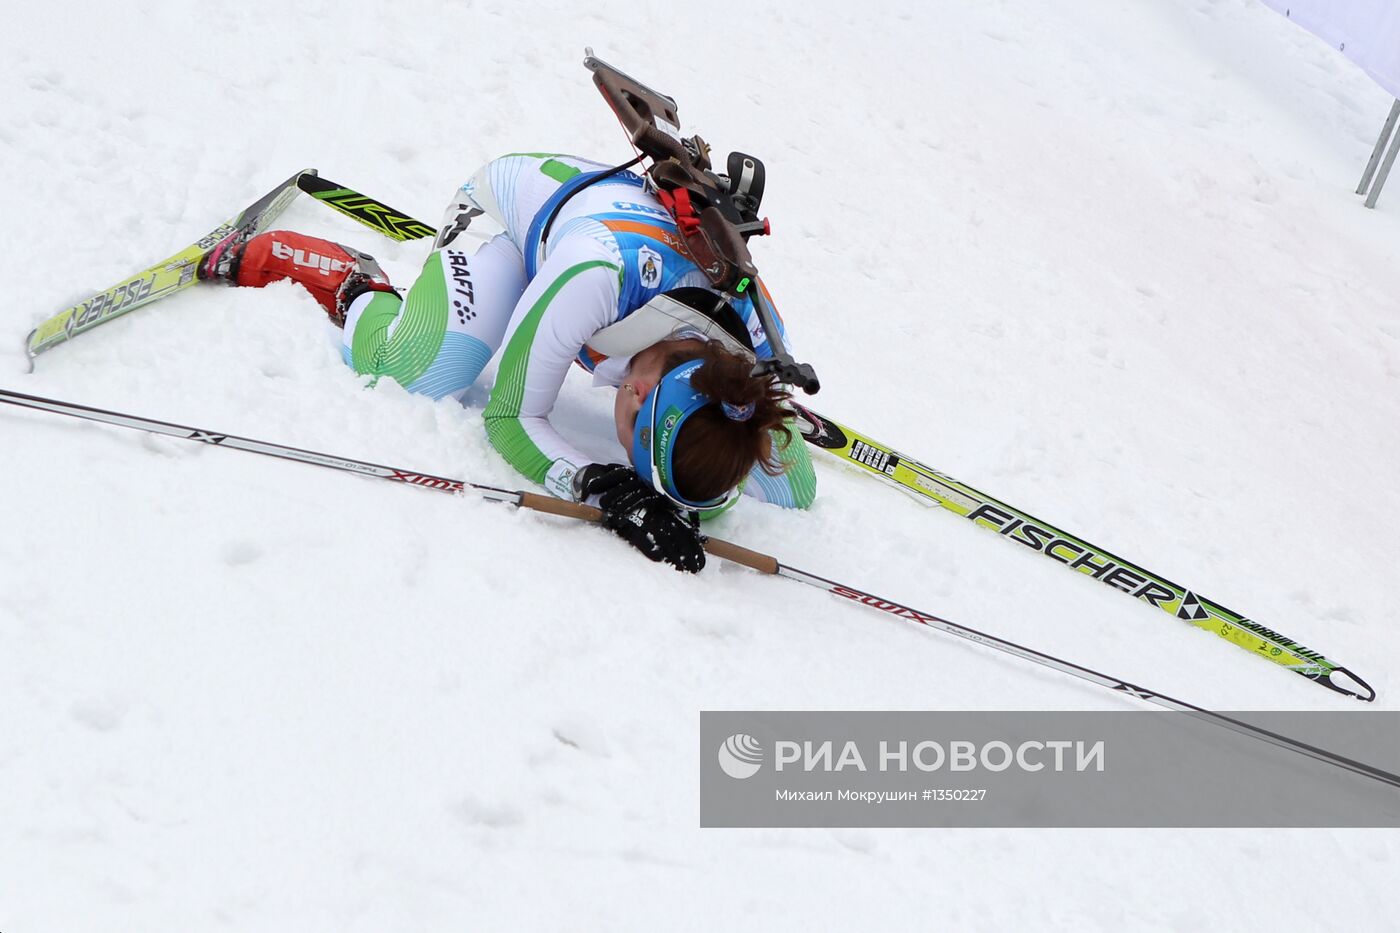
(437, 339)
(796, 487)
(511, 190)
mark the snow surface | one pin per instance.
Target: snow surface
(1101, 260)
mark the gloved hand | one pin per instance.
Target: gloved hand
(645, 518)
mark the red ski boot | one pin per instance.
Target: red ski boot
(335, 275)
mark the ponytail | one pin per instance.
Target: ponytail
(720, 443)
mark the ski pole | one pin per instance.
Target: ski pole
(723, 549)
(529, 500)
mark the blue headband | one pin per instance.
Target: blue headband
(663, 412)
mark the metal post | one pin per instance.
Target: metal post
(1379, 183)
(1376, 152)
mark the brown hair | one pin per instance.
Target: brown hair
(713, 451)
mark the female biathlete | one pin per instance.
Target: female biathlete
(562, 260)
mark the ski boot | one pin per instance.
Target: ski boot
(335, 275)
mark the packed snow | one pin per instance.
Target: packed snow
(1100, 260)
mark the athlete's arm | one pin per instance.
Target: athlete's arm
(572, 296)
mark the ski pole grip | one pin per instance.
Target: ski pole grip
(741, 555)
(533, 500)
(724, 550)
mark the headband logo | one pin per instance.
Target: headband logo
(738, 412)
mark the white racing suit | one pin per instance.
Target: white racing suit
(494, 284)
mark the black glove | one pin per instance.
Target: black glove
(635, 511)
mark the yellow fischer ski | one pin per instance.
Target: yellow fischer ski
(935, 488)
(160, 280)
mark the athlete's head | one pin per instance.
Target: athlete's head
(695, 421)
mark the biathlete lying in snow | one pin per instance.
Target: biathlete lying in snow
(563, 261)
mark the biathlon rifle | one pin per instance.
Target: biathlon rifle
(715, 214)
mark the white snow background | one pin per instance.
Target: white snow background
(1101, 260)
